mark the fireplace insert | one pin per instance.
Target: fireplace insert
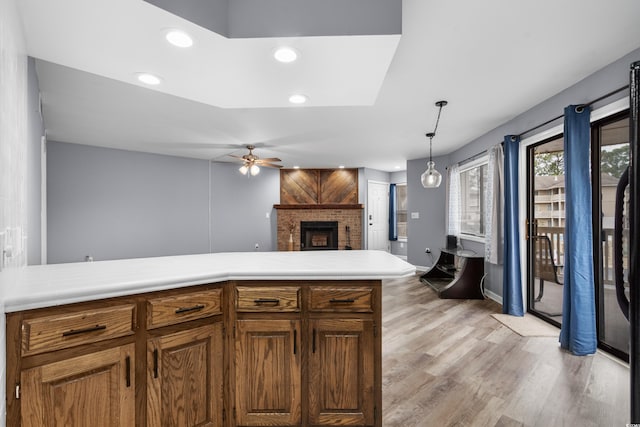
(318, 235)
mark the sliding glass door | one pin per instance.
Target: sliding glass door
(610, 157)
(545, 228)
(546, 222)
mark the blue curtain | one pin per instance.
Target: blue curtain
(578, 332)
(512, 279)
(393, 209)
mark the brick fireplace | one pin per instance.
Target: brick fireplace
(289, 220)
(319, 195)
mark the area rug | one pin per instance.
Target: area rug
(527, 326)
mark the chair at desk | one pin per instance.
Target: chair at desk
(545, 266)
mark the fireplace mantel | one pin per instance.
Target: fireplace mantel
(321, 206)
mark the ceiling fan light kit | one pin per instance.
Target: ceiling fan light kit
(431, 178)
(251, 163)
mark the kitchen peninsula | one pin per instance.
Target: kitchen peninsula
(226, 339)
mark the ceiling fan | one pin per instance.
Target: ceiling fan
(251, 163)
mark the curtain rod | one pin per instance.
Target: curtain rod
(607, 95)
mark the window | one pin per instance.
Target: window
(473, 177)
(401, 210)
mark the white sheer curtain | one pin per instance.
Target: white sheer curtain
(453, 220)
(494, 209)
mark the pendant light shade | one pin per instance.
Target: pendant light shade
(431, 178)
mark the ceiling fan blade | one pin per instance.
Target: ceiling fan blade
(270, 165)
(269, 159)
(236, 157)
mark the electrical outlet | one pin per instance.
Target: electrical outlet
(427, 250)
(257, 246)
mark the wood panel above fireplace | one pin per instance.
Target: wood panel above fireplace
(323, 187)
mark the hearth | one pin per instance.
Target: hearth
(318, 235)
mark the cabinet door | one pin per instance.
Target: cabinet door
(95, 390)
(268, 372)
(341, 372)
(184, 378)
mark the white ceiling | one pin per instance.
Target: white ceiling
(371, 97)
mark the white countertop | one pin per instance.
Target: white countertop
(49, 285)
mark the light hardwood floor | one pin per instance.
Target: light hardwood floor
(449, 363)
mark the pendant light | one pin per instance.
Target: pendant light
(431, 178)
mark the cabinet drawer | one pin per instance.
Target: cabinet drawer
(263, 299)
(58, 331)
(169, 310)
(358, 299)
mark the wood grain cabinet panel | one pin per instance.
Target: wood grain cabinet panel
(268, 373)
(64, 330)
(342, 299)
(95, 390)
(174, 309)
(267, 299)
(185, 378)
(341, 371)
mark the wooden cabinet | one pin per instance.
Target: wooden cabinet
(247, 353)
(325, 373)
(184, 378)
(341, 372)
(152, 359)
(268, 373)
(96, 389)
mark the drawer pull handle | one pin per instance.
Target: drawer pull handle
(313, 343)
(342, 301)
(127, 363)
(267, 301)
(188, 309)
(295, 341)
(84, 330)
(155, 363)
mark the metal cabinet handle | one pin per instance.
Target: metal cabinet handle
(155, 363)
(295, 341)
(84, 330)
(188, 309)
(266, 301)
(127, 363)
(313, 344)
(343, 301)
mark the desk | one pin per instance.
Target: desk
(457, 274)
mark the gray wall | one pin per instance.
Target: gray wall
(239, 208)
(34, 168)
(114, 204)
(430, 204)
(602, 82)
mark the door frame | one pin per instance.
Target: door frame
(597, 114)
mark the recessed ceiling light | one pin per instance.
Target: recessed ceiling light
(341, 166)
(179, 38)
(149, 79)
(285, 54)
(296, 167)
(298, 99)
(398, 167)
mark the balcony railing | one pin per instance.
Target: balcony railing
(556, 235)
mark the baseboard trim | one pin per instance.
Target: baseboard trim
(492, 295)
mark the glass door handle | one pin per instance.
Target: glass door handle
(618, 271)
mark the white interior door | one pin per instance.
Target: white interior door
(378, 216)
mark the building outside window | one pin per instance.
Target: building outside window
(401, 210)
(473, 178)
